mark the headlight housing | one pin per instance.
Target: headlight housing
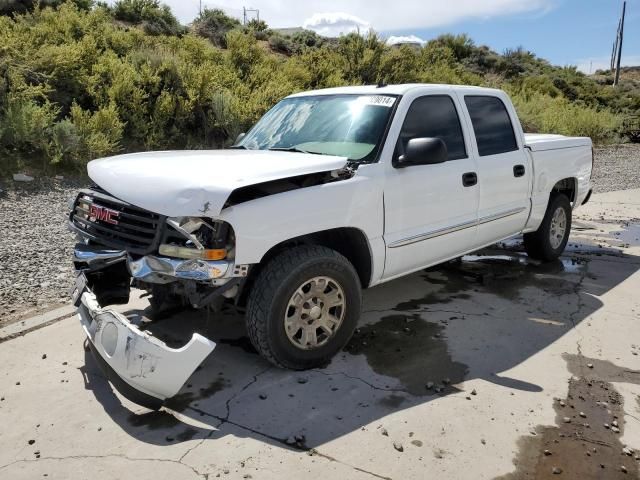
(204, 239)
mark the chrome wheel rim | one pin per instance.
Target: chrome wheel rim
(314, 313)
(558, 227)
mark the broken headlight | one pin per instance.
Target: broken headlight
(199, 238)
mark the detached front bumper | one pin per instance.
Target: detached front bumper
(139, 366)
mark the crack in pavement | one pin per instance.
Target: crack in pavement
(358, 379)
(112, 455)
(282, 441)
(224, 419)
(577, 290)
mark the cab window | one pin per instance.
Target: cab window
(434, 116)
(491, 125)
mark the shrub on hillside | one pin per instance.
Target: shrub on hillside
(214, 25)
(279, 43)
(11, 7)
(154, 17)
(545, 114)
(75, 84)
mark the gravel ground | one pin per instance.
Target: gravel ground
(617, 167)
(35, 246)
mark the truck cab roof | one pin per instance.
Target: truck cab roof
(400, 89)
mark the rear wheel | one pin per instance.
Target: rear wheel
(549, 241)
(303, 307)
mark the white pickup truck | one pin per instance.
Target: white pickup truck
(332, 191)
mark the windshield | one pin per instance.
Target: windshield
(349, 126)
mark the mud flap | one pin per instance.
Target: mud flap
(141, 367)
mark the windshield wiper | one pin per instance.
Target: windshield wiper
(238, 147)
(293, 149)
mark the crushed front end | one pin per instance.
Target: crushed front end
(180, 261)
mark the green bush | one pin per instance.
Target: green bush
(155, 18)
(545, 114)
(281, 44)
(11, 7)
(78, 83)
(214, 25)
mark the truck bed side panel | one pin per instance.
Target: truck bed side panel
(551, 165)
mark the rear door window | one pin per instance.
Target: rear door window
(491, 124)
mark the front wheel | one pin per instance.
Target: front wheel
(303, 307)
(548, 242)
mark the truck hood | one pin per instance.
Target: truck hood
(198, 182)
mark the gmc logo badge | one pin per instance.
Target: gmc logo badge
(96, 212)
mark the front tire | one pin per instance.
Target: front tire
(549, 241)
(303, 307)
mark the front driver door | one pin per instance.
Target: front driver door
(430, 210)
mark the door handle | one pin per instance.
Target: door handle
(469, 179)
(518, 171)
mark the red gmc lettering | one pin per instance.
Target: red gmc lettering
(104, 214)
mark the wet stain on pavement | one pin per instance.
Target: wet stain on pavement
(626, 234)
(186, 434)
(183, 400)
(241, 342)
(153, 420)
(629, 236)
(601, 369)
(502, 275)
(392, 401)
(585, 444)
(410, 349)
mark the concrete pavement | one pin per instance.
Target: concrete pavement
(466, 371)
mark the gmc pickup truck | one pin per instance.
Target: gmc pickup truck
(332, 191)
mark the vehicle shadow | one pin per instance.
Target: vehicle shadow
(420, 338)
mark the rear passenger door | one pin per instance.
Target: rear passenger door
(504, 169)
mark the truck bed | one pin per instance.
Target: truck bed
(539, 142)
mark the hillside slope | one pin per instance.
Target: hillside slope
(79, 82)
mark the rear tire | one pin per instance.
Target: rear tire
(303, 307)
(549, 241)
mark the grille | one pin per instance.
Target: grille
(117, 224)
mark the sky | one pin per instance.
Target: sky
(565, 32)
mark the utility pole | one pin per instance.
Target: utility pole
(249, 10)
(618, 49)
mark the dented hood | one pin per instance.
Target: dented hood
(198, 182)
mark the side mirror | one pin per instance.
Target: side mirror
(422, 151)
(239, 137)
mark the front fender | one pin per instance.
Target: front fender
(265, 222)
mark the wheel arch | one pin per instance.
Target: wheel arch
(540, 200)
(348, 241)
(567, 186)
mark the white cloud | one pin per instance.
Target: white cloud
(590, 65)
(393, 40)
(335, 24)
(381, 15)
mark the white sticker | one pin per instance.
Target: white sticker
(378, 100)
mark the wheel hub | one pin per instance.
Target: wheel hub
(558, 227)
(314, 312)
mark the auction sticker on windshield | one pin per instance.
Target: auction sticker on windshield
(378, 100)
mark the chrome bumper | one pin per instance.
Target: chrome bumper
(139, 366)
(155, 269)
